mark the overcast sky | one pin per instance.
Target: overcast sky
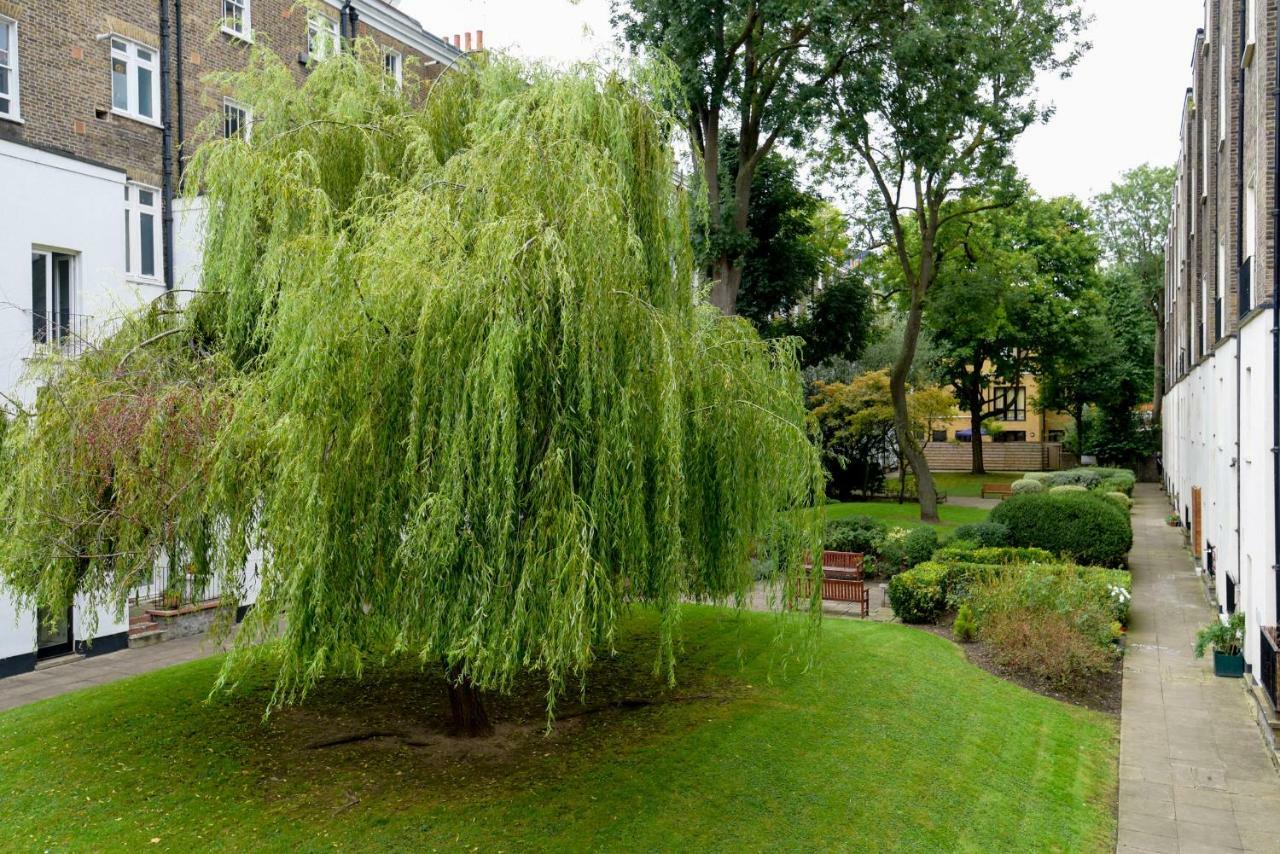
(1120, 108)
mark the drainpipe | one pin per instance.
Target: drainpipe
(177, 73)
(347, 20)
(1239, 182)
(1275, 355)
(166, 163)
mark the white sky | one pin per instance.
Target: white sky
(1120, 108)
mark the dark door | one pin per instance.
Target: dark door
(53, 637)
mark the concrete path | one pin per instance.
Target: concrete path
(1194, 771)
(79, 672)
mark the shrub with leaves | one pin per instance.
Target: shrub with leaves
(1081, 527)
(861, 534)
(1028, 486)
(965, 628)
(982, 534)
(920, 544)
(1002, 555)
(446, 372)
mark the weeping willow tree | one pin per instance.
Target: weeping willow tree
(446, 389)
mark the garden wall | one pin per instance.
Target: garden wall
(999, 456)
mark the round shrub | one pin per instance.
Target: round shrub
(919, 545)
(1123, 483)
(1027, 486)
(1067, 487)
(1119, 499)
(861, 534)
(982, 535)
(1082, 527)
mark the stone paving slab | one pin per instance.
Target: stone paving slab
(100, 669)
(1194, 771)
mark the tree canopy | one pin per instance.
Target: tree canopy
(446, 381)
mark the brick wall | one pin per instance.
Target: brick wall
(65, 71)
(996, 456)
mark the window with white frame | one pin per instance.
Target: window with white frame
(393, 62)
(236, 18)
(135, 83)
(236, 120)
(53, 287)
(322, 37)
(8, 68)
(142, 238)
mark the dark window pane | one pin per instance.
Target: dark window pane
(62, 293)
(147, 243)
(144, 92)
(128, 244)
(39, 281)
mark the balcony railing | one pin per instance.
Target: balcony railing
(1267, 662)
(1246, 286)
(60, 335)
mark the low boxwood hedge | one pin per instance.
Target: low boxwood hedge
(1028, 486)
(1081, 527)
(997, 555)
(985, 534)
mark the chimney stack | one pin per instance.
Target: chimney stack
(457, 40)
(468, 41)
(479, 39)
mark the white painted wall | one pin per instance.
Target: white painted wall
(1200, 450)
(17, 628)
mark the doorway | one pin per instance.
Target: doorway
(53, 637)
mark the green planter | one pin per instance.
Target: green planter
(1228, 665)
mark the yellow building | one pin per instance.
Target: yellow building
(1021, 422)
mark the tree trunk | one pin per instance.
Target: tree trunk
(724, 290)
(975, 422)
(901, 420)
(1157, 396)
(1079, 414)
(470, 719)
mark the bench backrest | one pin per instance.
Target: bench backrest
(998, 487)
(842, 560)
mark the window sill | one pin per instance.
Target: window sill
(6, 117)
(148, 281)
(247, 38)
(142, 120)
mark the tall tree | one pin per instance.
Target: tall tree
(446, 376)
(1133, 222)
(754, 73)
(1087, 369)
(931, 117)
(1004, 305)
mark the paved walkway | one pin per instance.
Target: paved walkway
(98, 670)
(1194, 771)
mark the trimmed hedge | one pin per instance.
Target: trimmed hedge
(1081, 527)
(998, 555)
(1119, 499)
(1067, 487)
(1027, 486)
(983, 534)
(1123, 483)
(1088, 478)
(861, 534)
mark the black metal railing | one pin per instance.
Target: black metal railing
(60, 333)
(165, 589)
(1246, 286)
(1267, 662)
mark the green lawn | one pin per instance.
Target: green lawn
(955, 483)
(906, 515)
(892, 742)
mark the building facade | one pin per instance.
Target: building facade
(101, 105)
(1220, 427)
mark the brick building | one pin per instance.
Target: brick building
(100, 106)
(1220, 425)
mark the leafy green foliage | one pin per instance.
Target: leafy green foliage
(919, 545)
(994, 555)
(919, 595)
(983, 534)
(1028, 486)
(445, 375)
(860, 534)
(1082, 527)
(1226, 638)
(965, 628)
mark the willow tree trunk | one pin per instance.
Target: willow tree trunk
(901, 419)
(470, 719)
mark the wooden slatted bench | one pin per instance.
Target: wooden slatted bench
(842, 580)
(1003, 490)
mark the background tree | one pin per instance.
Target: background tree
(753, 73)
(930, 118)
(1003, 306)
(1087, 369)
(445, 373)
(1133, 224)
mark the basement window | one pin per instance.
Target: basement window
(9, 69)
(135, 84)
(236, 19)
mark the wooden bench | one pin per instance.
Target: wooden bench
(842, 580)
(1003, 490)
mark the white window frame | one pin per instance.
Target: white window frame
(54, 335)
(393, 64)
(126, 51)
(12, 65)
(134, 210)
(245, 33)
(320, 24)
(246, 121)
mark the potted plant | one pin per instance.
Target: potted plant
(1174, 521)
(1227, 640)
